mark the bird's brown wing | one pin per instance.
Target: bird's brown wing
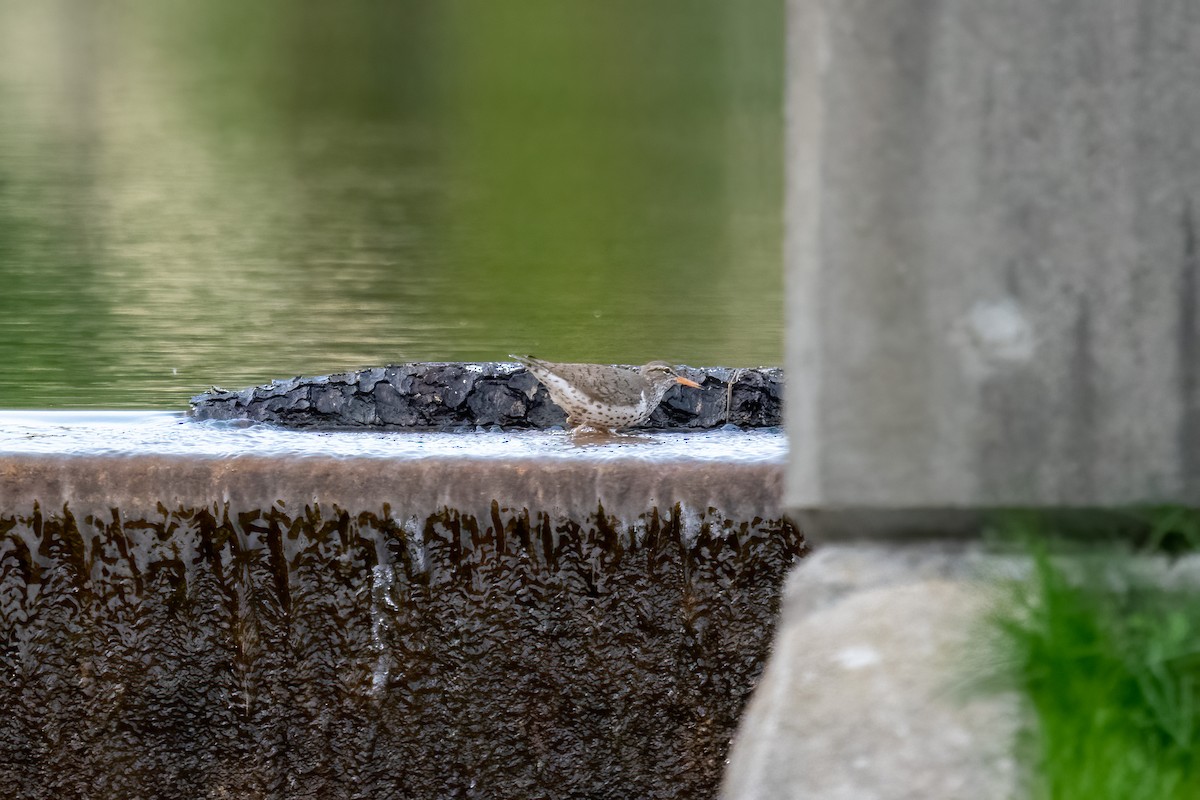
(601, 382)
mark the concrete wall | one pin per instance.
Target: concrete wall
(334, 627)
(992, 254)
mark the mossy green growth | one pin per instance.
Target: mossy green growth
(1107, 663)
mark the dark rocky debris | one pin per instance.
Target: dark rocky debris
(450, 396)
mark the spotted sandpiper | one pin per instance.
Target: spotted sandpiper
(603, 396)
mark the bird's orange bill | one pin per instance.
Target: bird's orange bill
(686, 382)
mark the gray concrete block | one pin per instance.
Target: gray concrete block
(993, 268)
(865, 696)
(881, 681)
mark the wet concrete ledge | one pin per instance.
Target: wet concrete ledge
(449, 396)
(183, 626)
(625, 488)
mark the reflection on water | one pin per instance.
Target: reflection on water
(227, 192)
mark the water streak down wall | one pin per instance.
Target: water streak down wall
(309, 627)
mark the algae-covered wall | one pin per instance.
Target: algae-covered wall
(158, 644)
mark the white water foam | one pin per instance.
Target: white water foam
(173, 433)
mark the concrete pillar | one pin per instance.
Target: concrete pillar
(992, 254)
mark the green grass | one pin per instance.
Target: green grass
(1108, 665)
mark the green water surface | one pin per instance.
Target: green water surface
(223, 192)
